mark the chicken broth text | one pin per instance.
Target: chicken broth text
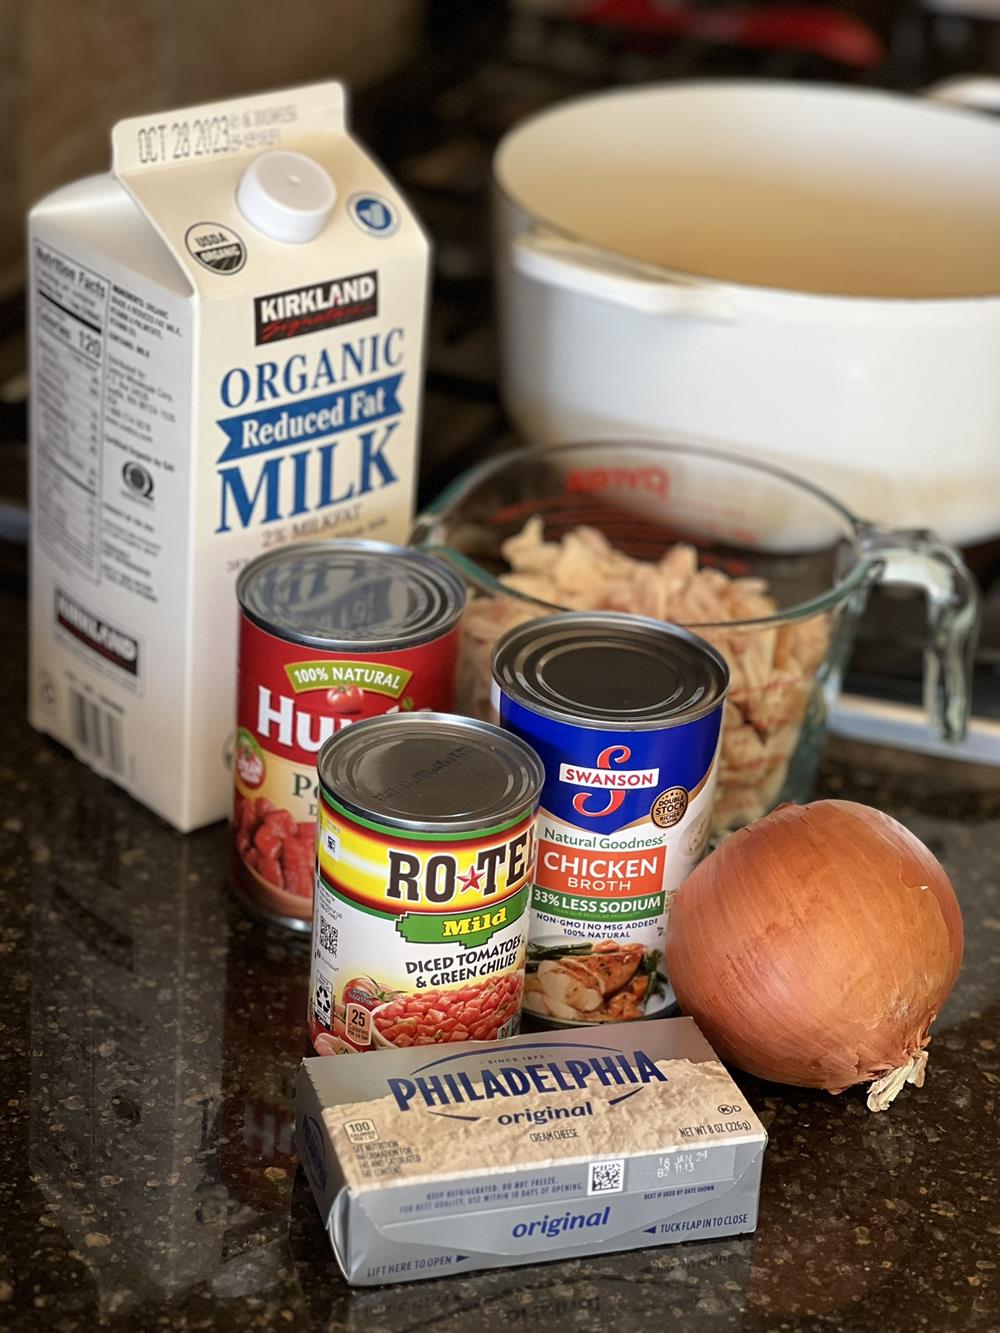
(625, 714)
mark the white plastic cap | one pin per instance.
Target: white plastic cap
(287, 196)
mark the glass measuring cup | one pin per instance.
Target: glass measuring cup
(794, 570)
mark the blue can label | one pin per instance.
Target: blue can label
(624, 818)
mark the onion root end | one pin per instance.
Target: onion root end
(884, 1090)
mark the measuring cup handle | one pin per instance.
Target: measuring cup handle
(920, 559)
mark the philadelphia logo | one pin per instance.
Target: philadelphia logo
(615, 1069)
(320, 305)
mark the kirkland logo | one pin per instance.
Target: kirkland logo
(321, 305)
(113, 645)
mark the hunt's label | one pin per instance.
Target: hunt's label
(292, 699)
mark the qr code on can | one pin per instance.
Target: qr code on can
(328, 936)
(607, 1177)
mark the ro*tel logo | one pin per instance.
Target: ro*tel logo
(608, 776)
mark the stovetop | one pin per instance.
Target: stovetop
(435, 127)
(440, 145)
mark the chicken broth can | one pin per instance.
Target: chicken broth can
(330, 633)
(625, 714)
(426, 850)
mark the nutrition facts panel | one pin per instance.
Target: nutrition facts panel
(69, 351)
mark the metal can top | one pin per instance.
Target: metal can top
(607, 669)
(352, 596)
(431, 772)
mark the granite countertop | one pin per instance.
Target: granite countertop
(149, 1036)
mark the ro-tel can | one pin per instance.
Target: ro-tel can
(426, 850)
(625, 714)
(330, 633)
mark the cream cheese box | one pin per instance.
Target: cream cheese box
(445, 1159)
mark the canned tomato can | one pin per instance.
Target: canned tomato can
(625, 714)
(426, 850)
(330, 633)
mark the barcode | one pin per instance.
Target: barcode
(606, 1177)
(98, 732)
(327, 936)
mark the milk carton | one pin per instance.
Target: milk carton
(226, 344)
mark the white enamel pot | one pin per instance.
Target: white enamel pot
(810, 274)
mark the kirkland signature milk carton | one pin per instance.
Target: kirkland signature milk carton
(446, 1158)
(226, 346)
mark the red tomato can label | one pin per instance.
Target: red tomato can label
(330, 634)
(426, 853)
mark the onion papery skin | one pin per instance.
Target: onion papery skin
(816, 947)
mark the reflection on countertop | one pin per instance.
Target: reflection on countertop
(149, 1035)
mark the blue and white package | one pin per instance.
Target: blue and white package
(625, 714)
(449, 1158)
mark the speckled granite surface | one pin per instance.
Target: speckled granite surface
(149, 1035)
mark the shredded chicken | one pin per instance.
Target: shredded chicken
(772, 670)
(604, 986)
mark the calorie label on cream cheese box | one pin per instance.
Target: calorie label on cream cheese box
(226, 345)
(427, 1162)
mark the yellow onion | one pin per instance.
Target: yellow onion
(816, 947)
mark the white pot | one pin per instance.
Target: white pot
(809, 273)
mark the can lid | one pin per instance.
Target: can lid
(609, 669)
(431, 772)
(356, 596)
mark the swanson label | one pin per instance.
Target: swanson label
(418, 938)
(291, 699)
(624, 818)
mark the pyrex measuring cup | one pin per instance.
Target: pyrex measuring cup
(803, 567)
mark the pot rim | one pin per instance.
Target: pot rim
(653, 271)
